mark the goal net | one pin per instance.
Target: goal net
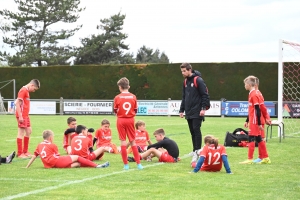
(2, 107)
(289, 87)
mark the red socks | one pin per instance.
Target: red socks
(19, 146)
(124, 154)
(262, 150)
(251, 147)
(26, 143)
(85, 162)
(136, 154)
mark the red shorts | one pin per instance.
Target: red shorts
(25, 123)
(254, 130)
(165, 157)
(125, 128)
(63, 162)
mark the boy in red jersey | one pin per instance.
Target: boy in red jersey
(52, 159)
(22, 104)
(212, 156)
(82, 145)
(71, 121)
(255, 127)
(103, 138)
(166, 150)
(265, 118)
(125, 106)
(141, 137)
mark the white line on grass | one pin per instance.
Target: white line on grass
(32, 180)
(79, 181)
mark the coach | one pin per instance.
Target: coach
(195, 101)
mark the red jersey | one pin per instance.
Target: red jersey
(66, 139)
(90, 136)
(213, 157)
(103, 137)
(23, 95)
(263, 109)
(253, 100)
(80, 145)
(48, 153)
(125, 105)
(141, 138)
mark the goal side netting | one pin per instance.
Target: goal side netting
(2, 107)
(289, 87)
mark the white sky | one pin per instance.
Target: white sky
(197, 30)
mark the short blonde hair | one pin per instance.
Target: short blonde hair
(251, 80)
(47, 134)
(159, 131)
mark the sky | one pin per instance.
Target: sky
(195, 31)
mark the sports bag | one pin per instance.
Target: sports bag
(238, 138)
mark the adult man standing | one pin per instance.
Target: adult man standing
(195, 101)
(22, 114)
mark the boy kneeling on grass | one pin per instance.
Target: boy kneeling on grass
(52, 159)
(166, 150)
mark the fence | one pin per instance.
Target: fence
(145, 107)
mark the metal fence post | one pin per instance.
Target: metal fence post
(61, 104)
(169, 99)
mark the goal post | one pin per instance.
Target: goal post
(289, 87)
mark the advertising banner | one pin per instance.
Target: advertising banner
(291, 109)
(215, 108)
(88, 108)
(11, 107)
(36, 107)
(42, 107)
(152, 108)
(240, 108)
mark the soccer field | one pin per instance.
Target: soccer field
(279, 180)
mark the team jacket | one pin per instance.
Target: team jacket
(193, 98)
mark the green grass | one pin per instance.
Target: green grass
(279, 180)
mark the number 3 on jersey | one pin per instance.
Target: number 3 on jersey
(79, 144)
(126, 106)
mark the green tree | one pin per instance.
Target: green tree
(148, 55)
(106, 47)
(28, 32)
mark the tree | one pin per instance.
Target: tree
(32, 38)
(147, 55)
(106, 47)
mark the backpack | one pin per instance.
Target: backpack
(196, 85)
